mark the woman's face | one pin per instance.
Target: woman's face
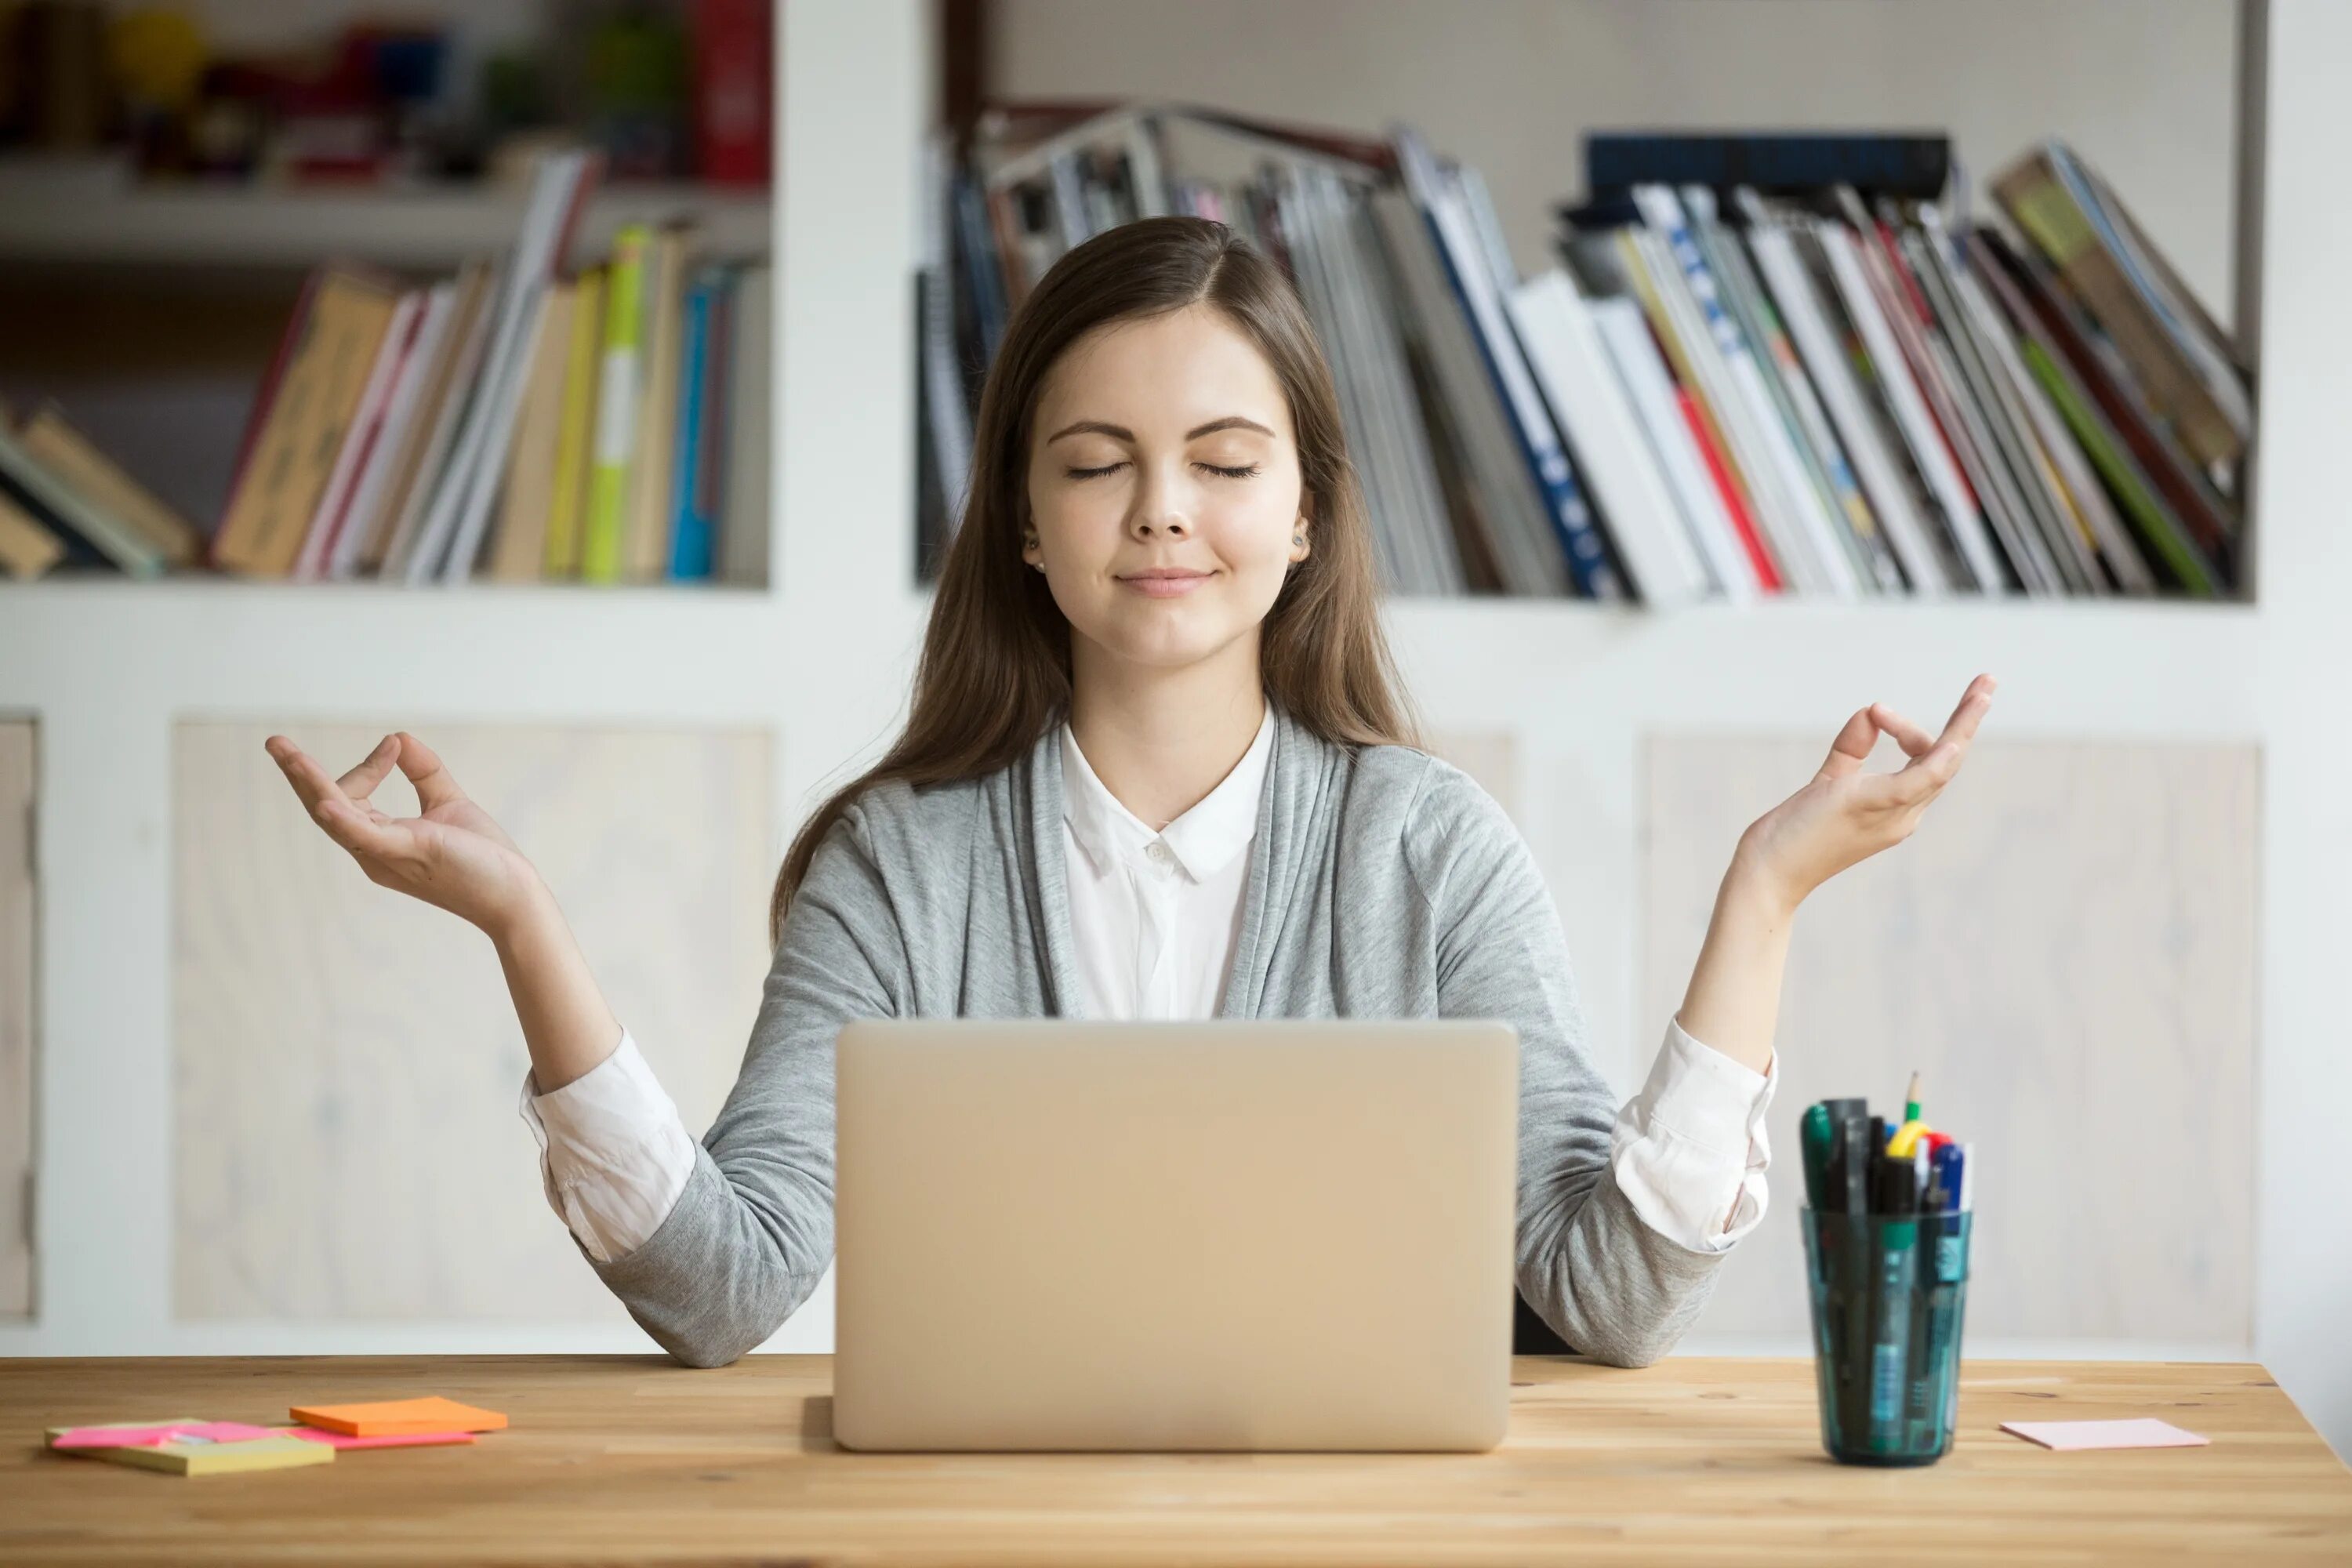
(1165, 502)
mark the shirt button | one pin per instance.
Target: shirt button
(1159, 854)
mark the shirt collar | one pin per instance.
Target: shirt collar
(1205, 840)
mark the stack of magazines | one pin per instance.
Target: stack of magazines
(1775, 364)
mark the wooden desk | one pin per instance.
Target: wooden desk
(632, 1460)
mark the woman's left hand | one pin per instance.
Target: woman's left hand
(1845, 814)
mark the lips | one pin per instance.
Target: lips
(1165, 582)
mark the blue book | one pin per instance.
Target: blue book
(689, 557)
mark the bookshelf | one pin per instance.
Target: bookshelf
(107, 222)
(822, 658)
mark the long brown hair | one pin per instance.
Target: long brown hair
(995, 667)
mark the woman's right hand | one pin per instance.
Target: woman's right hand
(452, 856)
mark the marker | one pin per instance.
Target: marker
(1813, 1137)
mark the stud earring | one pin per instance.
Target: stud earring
(1298, 539)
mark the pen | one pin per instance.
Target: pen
(1899, 1249)
(1814, 1138)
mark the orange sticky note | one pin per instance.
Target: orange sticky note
(399, 1416)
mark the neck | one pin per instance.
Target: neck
(1161, 739)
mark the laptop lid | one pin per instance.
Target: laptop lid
(1266, 1234)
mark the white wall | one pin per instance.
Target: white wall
(2142, 89)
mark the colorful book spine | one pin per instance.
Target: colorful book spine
(575, 446)
(690, 559)
(616, 407)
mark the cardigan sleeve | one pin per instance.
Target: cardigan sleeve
(1605, 1280)
(751, 1232)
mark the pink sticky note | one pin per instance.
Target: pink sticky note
(153, 1437)
(2067, 1437)
(382, 1441)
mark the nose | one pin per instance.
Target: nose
(1163, 504)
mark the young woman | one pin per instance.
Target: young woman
(1157, 765)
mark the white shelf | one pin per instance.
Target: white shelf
(657, 652)
(50, 219)
(556, 651)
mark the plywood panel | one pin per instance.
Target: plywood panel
(2066, 948)
(347, 1061)
(17, 1085)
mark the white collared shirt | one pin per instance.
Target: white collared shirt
(1154, 915)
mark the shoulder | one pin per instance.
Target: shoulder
(1442, 816)
(894, 827)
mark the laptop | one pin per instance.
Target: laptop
(1056, 1234)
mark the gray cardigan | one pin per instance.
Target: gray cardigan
(950, 902)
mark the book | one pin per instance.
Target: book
(433, 434)
(1632, 353)
(619, 394)
(1565, 352)
(690, 516)
(359, 438)
(2191, 385)
(567, 509)
(101, 482)
(1865, 295)
(1804, 535)
(62, 510)
(451, 535)
(1509, 519)
(646, 542)
(1772, 162)
(1474, 280)
(518, 548)
(1890, 489)
(743, 547)
(27, 547)
(1840, 520)
(300, 420)
(365, 527)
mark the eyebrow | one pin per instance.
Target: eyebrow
(1121, 433)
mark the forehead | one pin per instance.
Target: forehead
(1162, 375)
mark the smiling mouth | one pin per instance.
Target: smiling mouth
(1165, 585)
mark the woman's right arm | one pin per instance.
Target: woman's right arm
(750, 1231)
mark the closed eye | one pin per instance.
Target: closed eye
(1231, 473)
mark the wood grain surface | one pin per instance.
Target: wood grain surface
(630, 1459)
(2066, 948)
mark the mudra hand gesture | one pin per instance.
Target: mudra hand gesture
(451, 854)
(1842, 816)
(1845, 814)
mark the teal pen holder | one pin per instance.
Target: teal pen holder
(1888, 1293)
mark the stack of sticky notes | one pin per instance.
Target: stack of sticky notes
(190, 1445)
(395, 1424)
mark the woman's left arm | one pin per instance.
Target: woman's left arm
(1842, 816)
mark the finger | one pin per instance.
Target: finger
(1923, 779)
(1852, 745)
(346, 825)
(310, 781)
(1961, 726)
(360, 782)
(435, 787)
(1907, 735)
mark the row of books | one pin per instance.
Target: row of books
(1767, 364)
(521, 421)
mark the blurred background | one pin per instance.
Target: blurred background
(1713, 367)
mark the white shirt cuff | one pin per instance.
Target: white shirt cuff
(1689, 1151)
(614, 1154)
